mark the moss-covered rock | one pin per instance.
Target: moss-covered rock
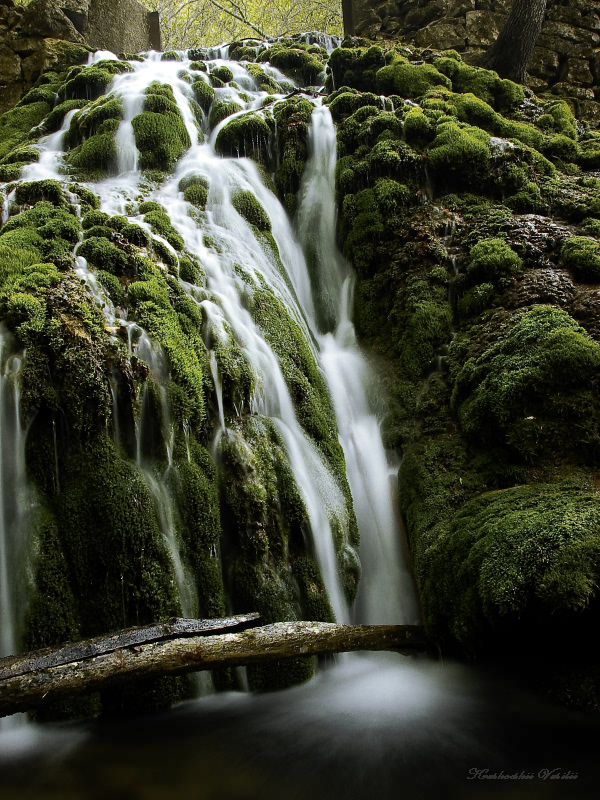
(160, 135)
(247, 135)
(526, 387)
(409, 80)
(248, 206)
(204, 94)
(300, 61)
(582, 256)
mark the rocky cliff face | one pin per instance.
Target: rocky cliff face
(565, 63)
(55, 34)
(471, 215)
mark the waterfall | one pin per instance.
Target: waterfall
(307, 276)
(16, 503)
(16, 500)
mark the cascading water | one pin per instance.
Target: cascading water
(386, 594)
(16, 504)
(314, 283)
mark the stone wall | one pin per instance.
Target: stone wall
(57, 33)
(125, 26)
(566, 61)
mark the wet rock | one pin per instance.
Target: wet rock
(545, 286)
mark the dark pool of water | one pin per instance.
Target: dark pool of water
(374, 727)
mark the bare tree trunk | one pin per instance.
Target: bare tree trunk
(36, 679)
(510, 53)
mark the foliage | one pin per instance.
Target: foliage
(189, 23)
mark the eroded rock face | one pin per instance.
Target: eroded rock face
(28, 36)
(45, 18)
(565, 63)
(478, 267)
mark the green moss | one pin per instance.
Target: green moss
(16, 125)
(161, 224)
(485, 84)
(100, 253)
(150, 205)
(533, 387)
(171, 55)
(418, 127)
(305, 382)
(52, 615)
(86, 83)
(183, 346)
(56, 117)
(297, 60)
(509, 552)
(24, 154)
(161, 137)
(204, 94)
(45, 232)
(293, 119)
(558, 118)
(94, 218)
(247, 205)
(112, 286)
(33, 192)
(355, 67)
(96, 158)
(490, 260)
(476, 300)
(87, 198)
(41, 94)
(11, 172)
(196, 490)
(459, 156)
(197, 195)
(582, 256)
(223, 73)
(592, 227)
(247, 135)
(264, 83)
(409, 80)
(114, 67)
(135, 235)
(195, 179)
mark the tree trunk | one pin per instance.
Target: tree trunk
(510, 53)
(36, 679)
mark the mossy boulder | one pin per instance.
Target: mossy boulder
(220, 110)
(204, 94)
(534, 387)
(582, 257)
(100, 253)
(522, 552)
(247, 136)
(490, 260)
(459, 156)
(86, 83)
(298, 60)
(409, 80)
(248, 206)
(355, 67)
(161, 139)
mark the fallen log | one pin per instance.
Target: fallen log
(52, 676)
